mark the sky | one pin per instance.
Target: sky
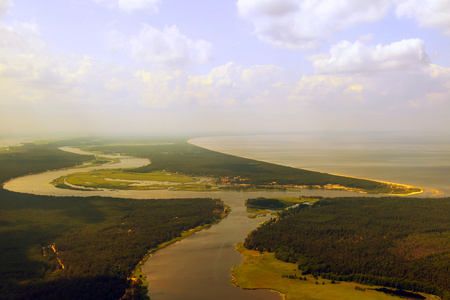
(146, 67)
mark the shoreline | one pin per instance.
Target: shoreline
(422, 189)
(263, 271)
(138, 277)
(234, 276)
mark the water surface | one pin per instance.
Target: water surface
(418, 160)
(199, 267)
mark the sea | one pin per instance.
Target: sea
(421, 160)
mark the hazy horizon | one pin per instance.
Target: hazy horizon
(155, 67)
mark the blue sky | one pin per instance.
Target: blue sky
(169, 66)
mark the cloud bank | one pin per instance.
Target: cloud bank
(430, 14)
(346, 57)
(168, 47)
(167, 80)
(303, 25)
(151, 6)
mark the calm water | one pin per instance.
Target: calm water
(415, 160)
(199, 267)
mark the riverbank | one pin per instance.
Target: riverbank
(264, 271)
(138, 279)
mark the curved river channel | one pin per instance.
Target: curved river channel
(198, 267)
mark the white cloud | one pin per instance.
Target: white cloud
(163, 89)
(346, 57)
(236, 85)
(429, 13)
(304, 24)
(41, 88)
(151, 6)
(21, 38)
(132, 5)
(4, 4)
(168, 48)
(45, 90)
(439, 95)
(318, 89)
(226, 85)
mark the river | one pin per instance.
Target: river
(198, 267)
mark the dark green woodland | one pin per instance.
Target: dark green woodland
(394, 242)
(76, 247)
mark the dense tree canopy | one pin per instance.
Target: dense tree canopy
(394, 242)
(76, 247)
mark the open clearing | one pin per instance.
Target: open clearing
(263, 270)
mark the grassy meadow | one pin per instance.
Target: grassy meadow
(264, 271)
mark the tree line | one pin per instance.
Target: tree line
(180, 156)
(77, 247)
(392, 242)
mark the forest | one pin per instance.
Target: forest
(86, 248)
(266, 203)
(76, 247)
(33, 158)
(394, 242)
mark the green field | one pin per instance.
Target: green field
(260, 207)
(124, 179)
(263, 270)
(390, 241)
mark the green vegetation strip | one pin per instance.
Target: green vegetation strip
(391, 242)
(264, 271)
(126, 179)
(238, 173)
(260, 206)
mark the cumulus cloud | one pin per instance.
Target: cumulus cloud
(151, 6)
(304, 24)
(168, 47)
(225, 85)
(49, 89)
(429, 13)
(163, 89)
(346, 57)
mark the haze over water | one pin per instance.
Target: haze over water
(414, 160)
